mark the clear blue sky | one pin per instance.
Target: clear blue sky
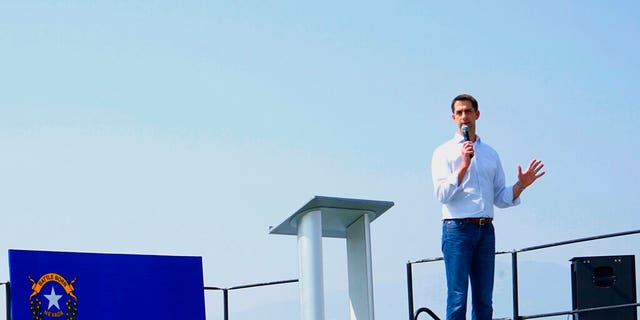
(188, 128)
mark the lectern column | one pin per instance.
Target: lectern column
(310, 264)
(360, 270)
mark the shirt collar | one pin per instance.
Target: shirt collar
(458, 138)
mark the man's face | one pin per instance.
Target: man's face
(463, 114)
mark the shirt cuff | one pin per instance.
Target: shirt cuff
(510, 199)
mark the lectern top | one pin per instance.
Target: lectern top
(337, 214)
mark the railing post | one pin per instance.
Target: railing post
(7, 289)
(225, 301)
(410, 289)
(514, 272)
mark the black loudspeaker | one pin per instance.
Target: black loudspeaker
(604, 281)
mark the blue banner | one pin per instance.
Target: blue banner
(79, 286)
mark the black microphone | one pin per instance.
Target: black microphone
(465, 133)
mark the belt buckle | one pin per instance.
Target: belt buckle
(484, 221)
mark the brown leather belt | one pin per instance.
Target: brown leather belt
(478, 221)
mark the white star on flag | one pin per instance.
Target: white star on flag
(53, 298)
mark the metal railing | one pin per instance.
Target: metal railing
(427, 311)
(225, 292)
(514, 268)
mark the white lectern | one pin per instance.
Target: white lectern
(336, 218)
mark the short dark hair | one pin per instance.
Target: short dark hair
(465, 97)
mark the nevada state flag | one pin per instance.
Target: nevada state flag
(78, 286)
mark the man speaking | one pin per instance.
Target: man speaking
(469, 180)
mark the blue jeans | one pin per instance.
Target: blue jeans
(469, 254)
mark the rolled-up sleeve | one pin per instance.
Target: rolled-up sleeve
(503, 196)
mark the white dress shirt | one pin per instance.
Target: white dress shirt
(482, 186)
